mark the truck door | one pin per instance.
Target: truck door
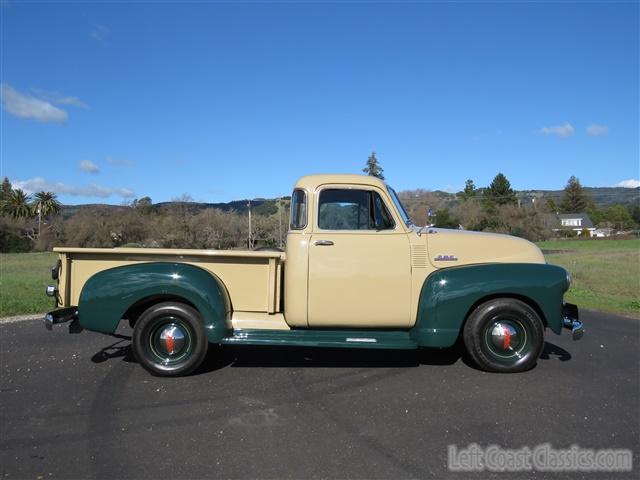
(359, 262)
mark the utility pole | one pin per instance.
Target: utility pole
(280, 220)
(250, 239)
(250, 242)
(39, 218)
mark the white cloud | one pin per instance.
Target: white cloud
(89, 167)
(38, 184)
(562, 131)
(26, 106)
(58, 98)
(597, 130)
(100, 33)
(631, 183)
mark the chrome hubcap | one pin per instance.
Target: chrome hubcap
(504, 336)
(171, 339)
(506, 339)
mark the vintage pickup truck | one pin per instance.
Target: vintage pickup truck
(356, 273)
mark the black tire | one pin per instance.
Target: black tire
(504, 335)
(169, 339)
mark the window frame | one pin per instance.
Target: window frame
(306, 213)
(364, 188)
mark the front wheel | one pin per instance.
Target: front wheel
(504, 335)
(169, 339)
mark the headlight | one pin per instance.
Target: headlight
(568, 280)
(51, 290)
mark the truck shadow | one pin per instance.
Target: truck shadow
(118, 349)
(552, 350)
(219, 357)
(293, 357)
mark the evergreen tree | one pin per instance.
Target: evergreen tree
(574, 199)
(5, 189)
(373, 168)
(469, 190)
(550, 205)
(499, 192)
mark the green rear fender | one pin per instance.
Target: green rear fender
(449, 294)
(107, 295)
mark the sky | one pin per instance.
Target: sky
(109, 101)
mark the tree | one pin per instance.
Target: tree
(143, 205)
(597, 215)
(574, 199)
(5, 189)
(16, 205)
(619, 217)
(444, 219)
(47, 203)
(550, 205)
(373, 168)
(635, 213)
(141, 202)
(499, 192)
(469, 190)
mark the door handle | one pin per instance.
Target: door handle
(323, 243)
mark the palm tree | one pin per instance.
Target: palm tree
(16, 204)
(47, 203)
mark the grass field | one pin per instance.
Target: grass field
(23, 278)
(606, 276)
(606, 273)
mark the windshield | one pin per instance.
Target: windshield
(399, 206)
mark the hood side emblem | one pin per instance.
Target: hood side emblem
(445, 258)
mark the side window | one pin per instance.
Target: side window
(383, 219)
(350, 209)
(298, 210)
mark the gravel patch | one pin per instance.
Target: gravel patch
(20, 318)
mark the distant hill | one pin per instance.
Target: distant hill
(258, 205)
(602, 197)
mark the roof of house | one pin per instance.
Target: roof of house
(586, 221)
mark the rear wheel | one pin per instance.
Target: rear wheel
(169, 339)
(504, 335)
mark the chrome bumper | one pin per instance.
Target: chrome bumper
(570, 320)
(69, 314)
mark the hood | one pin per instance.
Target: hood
(449, 248)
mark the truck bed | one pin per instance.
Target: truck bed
(253, 279)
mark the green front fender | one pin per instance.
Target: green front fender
(448, 295)
(107, 295)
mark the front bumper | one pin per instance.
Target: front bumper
(570, 320)
(62, 315)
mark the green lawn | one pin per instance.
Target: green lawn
(606, 276)
(606, 273)
(23, 278)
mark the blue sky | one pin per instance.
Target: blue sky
(104, 102)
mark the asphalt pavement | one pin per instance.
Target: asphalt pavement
(79, 406)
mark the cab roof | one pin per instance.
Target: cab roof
(311, 182)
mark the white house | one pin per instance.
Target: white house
(576, 222)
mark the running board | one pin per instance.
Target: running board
(391, 339)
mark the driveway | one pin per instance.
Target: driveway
(78, 406)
